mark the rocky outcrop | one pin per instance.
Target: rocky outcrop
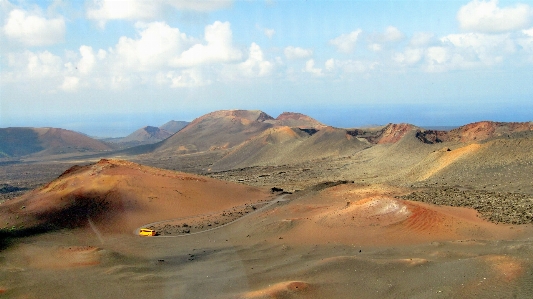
(482, 130)
(391, 133)
(432, 136)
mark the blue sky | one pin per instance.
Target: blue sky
(108, 67)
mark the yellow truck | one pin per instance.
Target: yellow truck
(147, 232)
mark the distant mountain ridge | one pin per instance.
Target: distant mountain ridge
(225, 129)
(16, 142)
(249, 137)
(174, 126)
(149, 134)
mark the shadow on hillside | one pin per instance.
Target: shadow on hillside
(19, 142)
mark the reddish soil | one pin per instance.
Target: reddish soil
(392, 133)
(119, 196)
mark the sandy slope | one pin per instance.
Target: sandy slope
(347, 241)
(371, 216)
(119, 196)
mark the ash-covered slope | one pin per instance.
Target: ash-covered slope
(146, 135)
(174, 126)
(285, 145)
(217, 130)
(17, 142)
(119, 196)
(226, 129)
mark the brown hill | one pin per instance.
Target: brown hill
(118, 196)
(502, 164)
(146, 135)
(487, 129)
(174, 126)
(285, 145)
(390, 133)
(217, 130)
(474, 132)
(292, 119)
(46, 141)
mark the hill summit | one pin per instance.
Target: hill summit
(225, 129)
(147, 134)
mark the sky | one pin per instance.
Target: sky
(109, 67)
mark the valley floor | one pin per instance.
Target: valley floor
(350, 229)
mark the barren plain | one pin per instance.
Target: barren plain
(305, 212)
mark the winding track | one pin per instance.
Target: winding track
(276, 200)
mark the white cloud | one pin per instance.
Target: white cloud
(101, 54)
(409, 57)
(330, 64)
(378, 41)
(269, 32)
(526, 44)
(199, 5)
(528, 32)
(255, 65)
(163, 55)
(266, 31)
(29, 65)
(487, 17)
(34, 29)
(346, 42)
(310, 68)
(70, 83)
(219, 48)
(437, 55)
(104, 10)
(437, 58)
(297, 52)
(87, 60)
(131, 9)
(185, 78)
(488, 49)
(393, 34)
(157, 46)
(420, 39)
(375, 47)
(349, 66)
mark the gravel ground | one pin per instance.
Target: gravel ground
(499, 207)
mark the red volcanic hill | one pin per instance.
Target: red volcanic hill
(292, 119)
(487, 129)
(216, 130)
(118, 196)
(479, 131)
(391, 133)
(228, 128)
(45, 141)
(475, 132)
